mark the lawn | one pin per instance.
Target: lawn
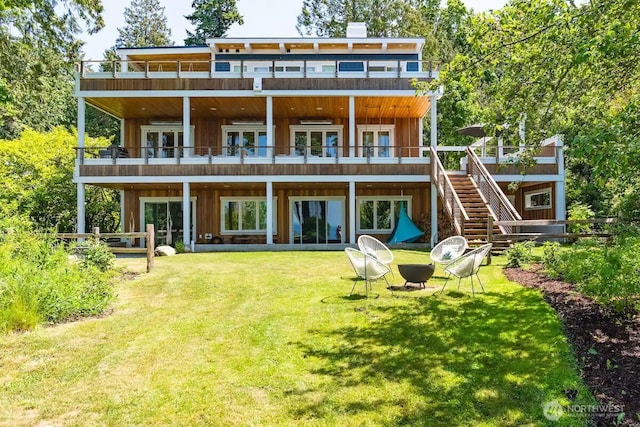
(273, 339)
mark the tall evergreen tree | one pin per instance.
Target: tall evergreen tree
(211, 18)
(146, 25)
(38, 52)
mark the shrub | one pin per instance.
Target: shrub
(94, 253)
(551, 258)
(606, 272)
(580, 212)
(179, 246)
(519, 254)
(38, 283)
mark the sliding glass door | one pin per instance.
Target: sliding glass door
(166, 217)
(317, 221)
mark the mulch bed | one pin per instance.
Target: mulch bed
(606, 344)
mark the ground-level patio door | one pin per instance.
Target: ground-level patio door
(165, 213)
(317, 220)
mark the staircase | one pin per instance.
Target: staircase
(476, 226)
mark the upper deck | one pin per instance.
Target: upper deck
(272, 64)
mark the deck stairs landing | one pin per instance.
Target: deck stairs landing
(477, 210)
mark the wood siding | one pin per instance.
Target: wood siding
(208, 212)
(249, 170)
(549, 213)
(88, 84)
(505, 169)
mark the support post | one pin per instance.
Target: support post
(434, 120)
(81, 128)
(269, 122)
(489, 236)
(269, 193)
(80, 206)
(186, 213)
(352, 126)
(352, 212)
(434, 215)
(186, 130)
(151, 246)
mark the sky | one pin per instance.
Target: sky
(262, 18)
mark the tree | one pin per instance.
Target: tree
(38, 51)
(38, 182)
(211, 18)
(146, 25)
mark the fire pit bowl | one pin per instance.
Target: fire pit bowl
(416, 273)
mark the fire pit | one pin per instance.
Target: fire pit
(416, 273)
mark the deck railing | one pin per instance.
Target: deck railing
(499, 206)
(252, 154)
(257, 68)
(450, 199)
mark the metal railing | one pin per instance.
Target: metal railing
(258, 68)
(249, 153)
(450, 199)
(500, 207)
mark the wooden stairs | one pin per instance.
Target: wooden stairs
(476, 228)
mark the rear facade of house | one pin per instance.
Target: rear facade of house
(303, 142)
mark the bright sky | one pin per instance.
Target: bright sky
(262, 18)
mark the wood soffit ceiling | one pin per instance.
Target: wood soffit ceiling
(255, 107)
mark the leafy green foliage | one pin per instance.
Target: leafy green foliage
(94, 254)
(551, 258)
(580, 212)
(39, 283)
(38, 49)
(180, 247)
(605, 272)
(38, 183)
(211, 18)
(519, 254)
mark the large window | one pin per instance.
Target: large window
(161, 141)
(539, 199)
(246, 215)
(250, 139)
(316, 140)
(380, 214)
(376, 140)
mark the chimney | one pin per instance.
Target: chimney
(356, 30)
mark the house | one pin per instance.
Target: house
(291, 141)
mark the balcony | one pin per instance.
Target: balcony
(284, 69)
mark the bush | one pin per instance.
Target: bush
(179, 247)
(39, 283)
(94, 253)
(580, 212)
(606, 272)
(519, 254)
(551, 258)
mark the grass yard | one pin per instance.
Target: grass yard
(273, 339)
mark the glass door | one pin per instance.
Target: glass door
(317, 221)
(166, 217)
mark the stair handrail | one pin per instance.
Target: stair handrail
(499, 205)
(450, 199)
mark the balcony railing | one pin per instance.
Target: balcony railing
(256, 68)
(255, 154)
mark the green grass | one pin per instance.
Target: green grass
(274, 339)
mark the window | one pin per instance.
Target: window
(376, 140)
(380, 214)
(161, 141)
(244, 215)
(540, 199)
(251, 139)
(316, 140)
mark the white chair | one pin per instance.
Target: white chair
(374, 247)
(467, 266)
(449, 249)
(367, 268)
